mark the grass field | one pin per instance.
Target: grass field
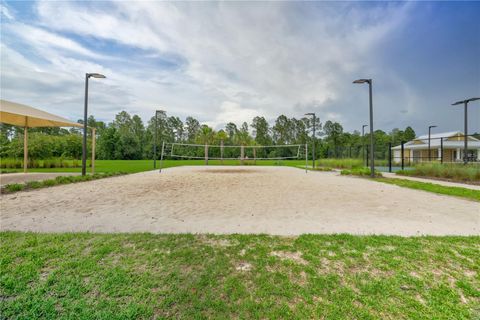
(435, 188)
(144, 276)
(132, 166)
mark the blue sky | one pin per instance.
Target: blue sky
(231, 61)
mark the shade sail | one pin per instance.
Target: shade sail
(25, 116)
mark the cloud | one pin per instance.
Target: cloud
(46, 42)
(5, 12)
(233, 112)
(219, 62)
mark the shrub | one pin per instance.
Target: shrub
(359, 172)
(14, 187)
(34, 184)
(49, 182)
(65, 179)
(323, 169)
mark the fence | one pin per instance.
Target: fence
(390, 157)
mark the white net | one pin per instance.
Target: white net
(218, 152)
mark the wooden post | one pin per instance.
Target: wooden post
(254, 155)
(93, 150)
(25, 149)
(242, 154)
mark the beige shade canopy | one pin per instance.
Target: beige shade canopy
(28, 117)
(24, 116)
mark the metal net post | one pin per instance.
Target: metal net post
(306, 157)
(161, 157)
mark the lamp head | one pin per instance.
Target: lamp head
(362, 81)
(465, 101)
(96, 75)
(310, 114)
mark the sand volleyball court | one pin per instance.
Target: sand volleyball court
(222, 199)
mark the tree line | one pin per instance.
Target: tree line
(127, 137)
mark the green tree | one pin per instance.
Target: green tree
(231, 129)
(193, 126)
(242, 136)
(333, 131)
(282, 130)
(205, 135)
(261, 131)
(409, 134)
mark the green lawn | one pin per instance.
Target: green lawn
(435, 188)
(131, 166)
(145, 276)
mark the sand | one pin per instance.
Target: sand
(272, 200)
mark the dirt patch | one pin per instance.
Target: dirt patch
(243, 266)
(293, 256)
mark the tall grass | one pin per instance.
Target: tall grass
(10, 163)
(341, 163)
(455, 172)
(348, 163)
(14, 187)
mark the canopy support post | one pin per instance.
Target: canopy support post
(93, 150)
(25, 149)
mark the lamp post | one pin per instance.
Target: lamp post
(465, 103)
(313, 136)
(85, 117)
(372, 153)
(363, 142)
(155, 139)
(429, 132)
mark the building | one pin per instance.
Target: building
(446, 147)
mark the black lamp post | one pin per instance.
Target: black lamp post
(85, 118)
(372, 153)
(155, 139)
(429, 133)
(313, 140)
(363, 142)
(465, 103)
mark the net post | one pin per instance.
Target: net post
(161, 156)
(306, 157)
(402, 152)
(206, 154)
(389, 157)
(441, 150)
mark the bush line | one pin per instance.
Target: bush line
(30, 185)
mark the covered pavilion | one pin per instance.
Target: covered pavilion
(28, 117)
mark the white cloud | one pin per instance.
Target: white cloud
(45, 41)
(233, 112)
(237, 60)
(4, 11)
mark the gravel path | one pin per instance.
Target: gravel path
(273, 200)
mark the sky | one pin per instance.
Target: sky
(231, 61)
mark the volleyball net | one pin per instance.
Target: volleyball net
(207, 152)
